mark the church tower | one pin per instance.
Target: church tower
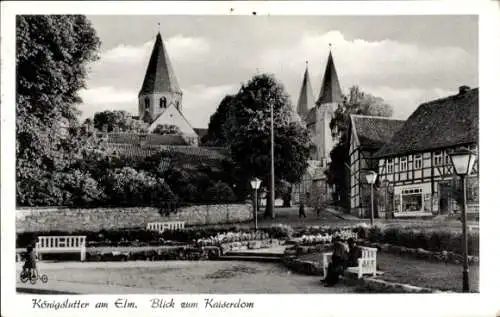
(160, 88)
(306, 97)
(330, 97)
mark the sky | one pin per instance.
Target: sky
(406, 60)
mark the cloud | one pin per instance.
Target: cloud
(406, 100)
(201, 101)
(107, 98)
(360, 58)
(179, 48)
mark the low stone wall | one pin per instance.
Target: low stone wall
(73, 219)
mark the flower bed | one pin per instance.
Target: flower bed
(319, 238)
(156, 254)
(143, 237)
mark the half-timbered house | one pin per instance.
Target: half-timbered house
(415, 165)
(367, 134)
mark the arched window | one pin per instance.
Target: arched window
(146, 103)
(163, 102)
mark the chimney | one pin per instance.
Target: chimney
(463, 89)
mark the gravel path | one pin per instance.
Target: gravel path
(184, 277)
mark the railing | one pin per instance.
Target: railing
(162, 226)
(62, 244)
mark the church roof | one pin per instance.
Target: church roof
(188, 156)
(145, 139)
(330, 87)
(438, 124)
(160, 76)
(306, 97)
(373, 132)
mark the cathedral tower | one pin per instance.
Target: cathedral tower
(306, 97)
(330, 97)
(160, 88)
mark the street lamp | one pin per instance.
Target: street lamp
(255, 186)
(463, 160)
(371, 177)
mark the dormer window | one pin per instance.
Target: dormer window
(146, 103)
(163, 102)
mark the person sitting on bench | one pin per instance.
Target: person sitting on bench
(354, 253)
(337, 264)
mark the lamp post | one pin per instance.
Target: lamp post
(371, 176)
(272, 161)
(255, 186)
(463, 160)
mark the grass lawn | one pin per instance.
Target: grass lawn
(446, 277)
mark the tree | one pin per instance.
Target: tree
(108, 121)
(247, 131)
(167, 129)
(215, 135)
(356, 102)
(52, 55)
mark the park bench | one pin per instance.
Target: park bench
(61, 244)
(162, 226)
(367, 263)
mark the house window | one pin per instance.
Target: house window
(403, 165)
(418, 161)
(163, 102)
(411, 200)
(390, 166)
(146, 103)
(438, 158)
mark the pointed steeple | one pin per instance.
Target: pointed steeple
(160, 76)
(330, 87)
(306, 97)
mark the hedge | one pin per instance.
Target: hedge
(427, 239)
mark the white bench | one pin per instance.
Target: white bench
(162, 226)
(367, 263)
(471, 227)
(62, 244)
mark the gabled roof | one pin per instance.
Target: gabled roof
(160, 76)
(306, 97)
(145, 139)
(373, 132)
(330, 88)
(439, 124)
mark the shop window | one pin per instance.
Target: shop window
(411, 199)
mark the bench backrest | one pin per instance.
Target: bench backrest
(367, 264)
(162, 226)
(61, 242)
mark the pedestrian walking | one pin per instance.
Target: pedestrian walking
(302, 212)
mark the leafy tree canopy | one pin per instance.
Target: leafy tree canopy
(167, 129)
(121, 120)
(247, 131)
(52, 55)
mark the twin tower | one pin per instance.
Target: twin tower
(318, 114)
(160, 101)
